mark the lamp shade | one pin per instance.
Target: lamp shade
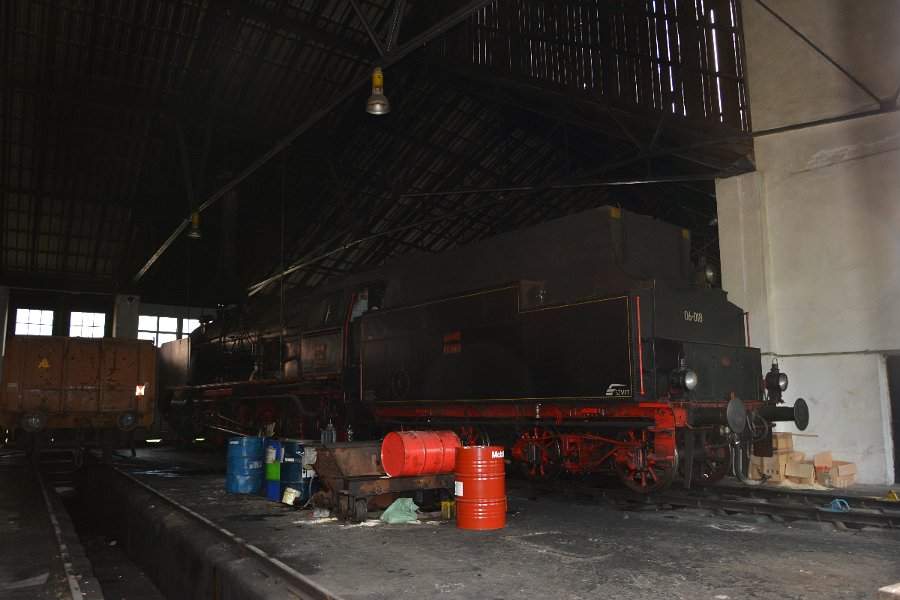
(378, 103)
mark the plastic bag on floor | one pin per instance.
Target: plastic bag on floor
(401, 511)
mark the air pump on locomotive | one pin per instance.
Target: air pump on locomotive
(586, 344)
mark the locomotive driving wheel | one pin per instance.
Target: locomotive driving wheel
(473, 435)
(539, 453)
(638, 468)
(712, 458)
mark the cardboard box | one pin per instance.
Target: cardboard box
(782, 442)
(786, 458)
(771, 465)
(790, 456)
(842, 468)
(801, 472)
(822, 460)
(839, 474)
(766, 467)
(842, 482)
(754, 470)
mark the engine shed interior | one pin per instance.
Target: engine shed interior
(643, 255)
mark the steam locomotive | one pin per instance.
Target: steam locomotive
(586, 344)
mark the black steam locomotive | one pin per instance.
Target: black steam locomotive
(586, 344)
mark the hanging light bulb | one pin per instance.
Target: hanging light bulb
(378, 103)
(194, 233)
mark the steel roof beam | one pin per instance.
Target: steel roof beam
(368, 27)
(412, 45)
(301, 29)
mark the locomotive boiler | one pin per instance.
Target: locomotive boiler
(586, 344)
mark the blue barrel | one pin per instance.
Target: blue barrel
(244, 472)
(293, 474)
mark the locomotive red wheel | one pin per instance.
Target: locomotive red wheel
(473, 435)
(712, 459)
(538, 453)
(639, 469)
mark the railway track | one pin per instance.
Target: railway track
(756, 500)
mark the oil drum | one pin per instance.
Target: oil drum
(273, 469)
(480, 487)
(244, 471)
(410, 453)
(294, 474)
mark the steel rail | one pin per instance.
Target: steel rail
(64, 556)
(799, 507)
(813, 497)
(798, 511)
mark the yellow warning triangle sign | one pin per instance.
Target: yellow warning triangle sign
(44, 364)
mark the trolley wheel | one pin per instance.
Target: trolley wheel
(360, 510)
(539, 453)
(343, 506)
(638, 469)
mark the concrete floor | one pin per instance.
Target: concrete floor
(549, 549)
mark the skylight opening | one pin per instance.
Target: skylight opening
(715, 45)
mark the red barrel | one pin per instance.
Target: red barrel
(405, 453)
(480, 487)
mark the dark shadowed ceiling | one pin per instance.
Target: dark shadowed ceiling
(121, 118)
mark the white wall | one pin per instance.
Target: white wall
(811, 240)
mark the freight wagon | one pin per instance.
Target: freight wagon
(76, 392)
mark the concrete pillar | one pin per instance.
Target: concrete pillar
(125, 316)
(810, 242)
(745, 251)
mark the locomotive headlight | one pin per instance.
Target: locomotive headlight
(776, 381)
(690, 380)
(782, 381)
(686, 379)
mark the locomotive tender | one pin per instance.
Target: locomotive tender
(586, 344)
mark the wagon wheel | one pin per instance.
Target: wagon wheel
(473, 435)
(637, 467)
(712, 459)
(539, 453)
